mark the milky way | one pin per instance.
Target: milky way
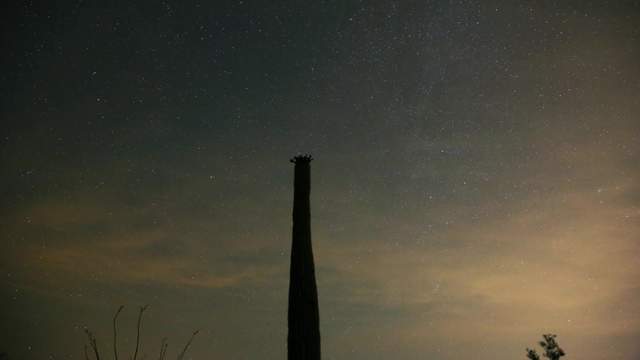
(475, 181)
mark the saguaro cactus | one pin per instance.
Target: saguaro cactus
(303, 340)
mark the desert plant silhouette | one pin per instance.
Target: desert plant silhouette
(93, 343)
(303, 339)
(552, 350)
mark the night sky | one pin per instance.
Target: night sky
(476, 180)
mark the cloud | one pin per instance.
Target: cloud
(100, 240)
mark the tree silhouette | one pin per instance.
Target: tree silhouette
(552, 350)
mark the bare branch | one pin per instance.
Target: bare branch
(163, 348)
(142, 309)
(188, 344)
(93, 343)
(115, 332)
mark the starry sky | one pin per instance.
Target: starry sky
(475, 182)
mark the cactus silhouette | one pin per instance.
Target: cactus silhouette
(303, 340)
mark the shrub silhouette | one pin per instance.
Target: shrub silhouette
(532, 354)
(93, 344)
(552, 350)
